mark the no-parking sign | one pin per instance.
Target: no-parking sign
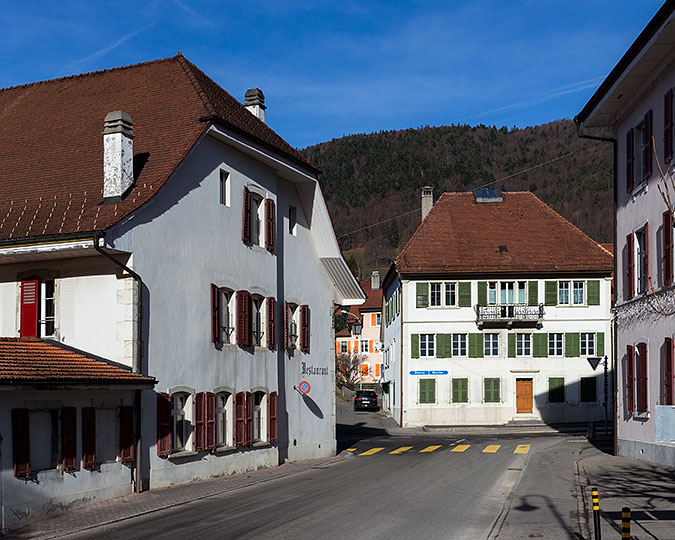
(304, 387)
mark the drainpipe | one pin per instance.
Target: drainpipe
(615, 148)
(136, 362)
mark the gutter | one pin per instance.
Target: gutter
(137, 360)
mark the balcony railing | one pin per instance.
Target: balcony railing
(509, 313)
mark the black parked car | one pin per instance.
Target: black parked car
(365, 399)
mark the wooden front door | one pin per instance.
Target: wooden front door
(523, 395)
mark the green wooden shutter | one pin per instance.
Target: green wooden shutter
(491, 390)
(572, 344)
(593, 290)
(556, 390)
(427, 391)
(588, 389)
(512, 345)
(600, 344)
(475, 345)
(540, 345)
(455, 390)
(460, 390)
(422, 293)
(443, 345)
(464, 294)
(415, 345)
(482, 293)
(533, 293)
(551, 294)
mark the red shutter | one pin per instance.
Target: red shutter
(647, 145)
(68, 438)
(249, 419)
(642, 377)
(270, 223)
(647, 280)
(304, 328)
(164, 424)
(629, 161)
(199, 413)
(88, 437)
(126, 434)
(239, 418)
(668, 126)
(630, 378)
(210, 421)
(668, 372)
(243, 318)
(286, 325)
(272, 399)
(630, 285)
(667, 248)
(271, 335)
(246, 218)
(29, 308)
(215, 315)
(20, 442)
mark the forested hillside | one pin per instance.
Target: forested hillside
(370, 178)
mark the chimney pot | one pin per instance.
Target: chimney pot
(118, 155)
(427, 200)
(254, 101)
(375, 280)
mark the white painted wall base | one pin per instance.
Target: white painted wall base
(663, 454)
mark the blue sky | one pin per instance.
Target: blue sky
(330, 69)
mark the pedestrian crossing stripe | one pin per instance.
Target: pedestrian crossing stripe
(351, 449)
(491, 448)
(431, 448)
(401, 450)
(461, 448)
(371, 451)
(522, 449)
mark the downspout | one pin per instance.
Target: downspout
(136, 361)
(615, 147)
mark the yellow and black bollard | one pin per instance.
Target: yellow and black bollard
(625, 523)
(596, 514)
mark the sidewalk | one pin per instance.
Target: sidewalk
(138, 504)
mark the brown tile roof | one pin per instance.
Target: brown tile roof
(32, 360)
(373, 298)
(343, 333)
(51, 160)
(462, 236)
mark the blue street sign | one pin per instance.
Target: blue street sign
(426, 372)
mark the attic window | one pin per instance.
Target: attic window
(502, 249)
(488, 195)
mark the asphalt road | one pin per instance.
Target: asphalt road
(454, 489)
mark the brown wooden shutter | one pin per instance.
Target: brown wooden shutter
(271, 330)
(304, 328)
(667, 248)
(199, 421)
(210, 421)
(668, 373)
(249, 419)
(629, 161)
(647, 280)
(164, 424)
(215, 315)
(21, 442)
(68, 438)
(630, 285)
(29, 308)
(272, 424)
(88, 437)
(630, 378)
(239, 418)
(246, 218)
(647, 145)
(642, 377)
(244, 318)
(286, 325)
(126, 434)
(270, 223)
(668, 126)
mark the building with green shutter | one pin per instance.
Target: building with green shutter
(491, 312)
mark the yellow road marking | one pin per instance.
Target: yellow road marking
(431, 448)
(491, 448)
(401, 450)
(522, 449)
(460, 448)
(371, 452)
(351, 449)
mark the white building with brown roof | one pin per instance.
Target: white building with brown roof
(491, 312)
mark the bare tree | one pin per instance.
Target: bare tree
(347, 367)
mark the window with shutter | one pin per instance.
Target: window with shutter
(556, 389)
(304, 328)
(551, 293)
(540, 345)
(271, 330)
(600, 344)
(630, 378)
(272, 424)
(667, 248)
(668, 398)
(29, 308)
(588, 389)
(572, 344)
(464, 294)
(415, 346)
(199, 413)
(68, 438)
(476, 346)
(593, 288)
(642, 388)
(209, 421)
(532, 293)
(215, 315)
(460, 390)
(511, 345)
(287, 326)
(244, 319)
(270, 225)
(491, 390)
(21, 442)
(164, 424)
(88, 437)
(630, 281)
(630, 165)
(240, 418)
(246, 217)
(443, 345)
(249, 419)
(126, 434)
(422, 294)
(482, 293)
(427, 391)
(647, 151)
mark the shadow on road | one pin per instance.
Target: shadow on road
(349, 434)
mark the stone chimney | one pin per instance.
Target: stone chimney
(118, 156)
(427, 200)
(255, 102)
(375, 280)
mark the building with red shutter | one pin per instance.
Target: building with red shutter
(162, 250)
(635, 103)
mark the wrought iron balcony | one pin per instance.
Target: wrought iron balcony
(509, 314)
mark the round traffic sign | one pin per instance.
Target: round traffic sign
(304, 387)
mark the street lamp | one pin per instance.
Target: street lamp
(356, 328)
